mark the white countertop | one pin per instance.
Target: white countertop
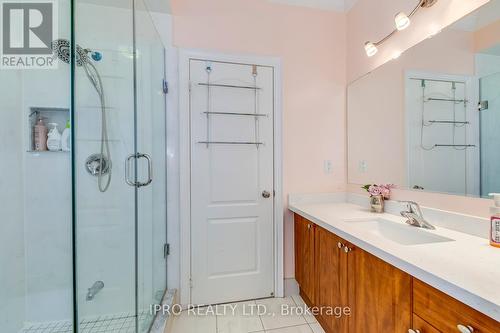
(467, 268)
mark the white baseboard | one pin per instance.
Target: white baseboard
(291, 287)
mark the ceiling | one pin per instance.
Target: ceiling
(337, 5)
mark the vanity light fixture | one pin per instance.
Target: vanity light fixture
(402, 21)
(370, 49)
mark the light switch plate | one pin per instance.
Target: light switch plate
(362, 166)
(328, 167)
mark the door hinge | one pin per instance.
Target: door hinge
(166, 250)
(165, 86)
(483, 105)
(191, 283)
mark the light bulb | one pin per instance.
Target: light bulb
(370, 49)
(402, 21)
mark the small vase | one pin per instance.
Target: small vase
(377, 203)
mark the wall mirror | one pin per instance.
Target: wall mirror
(430, 120)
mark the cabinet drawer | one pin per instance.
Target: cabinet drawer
(444, 312)
(420, 325)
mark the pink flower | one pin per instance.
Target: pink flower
(374, 190)
(383, 189)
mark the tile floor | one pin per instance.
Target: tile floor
(118, 323)
(243, 322)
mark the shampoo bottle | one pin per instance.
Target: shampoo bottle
(54, 138)
(65, 139)
(495, 221)
(40, 135)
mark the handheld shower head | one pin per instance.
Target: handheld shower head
(61, 49)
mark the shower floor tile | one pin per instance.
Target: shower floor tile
(119, 323)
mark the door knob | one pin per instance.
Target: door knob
(266, 194)
(340, 245)
(413, 331)
(347, 249)
(465, 329)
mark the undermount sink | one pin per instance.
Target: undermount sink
(398, 232)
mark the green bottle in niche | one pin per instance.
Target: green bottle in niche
(65, 138)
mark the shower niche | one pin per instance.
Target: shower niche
(50, 115)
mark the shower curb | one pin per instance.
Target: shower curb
(163, 320)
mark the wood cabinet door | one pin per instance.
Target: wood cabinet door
(331, 280)
(445, 313)
(304, 254)
(379, 294)
(420, 325)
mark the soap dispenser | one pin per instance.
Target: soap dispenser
(495, 221)
(54, 138)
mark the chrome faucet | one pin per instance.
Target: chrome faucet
(92, 291)
(414, 215)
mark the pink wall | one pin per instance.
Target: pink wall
(372, 20)
(487, 37)
(311, 44)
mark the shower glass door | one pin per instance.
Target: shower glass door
(151, 141)
(119, 119)
(105, 221)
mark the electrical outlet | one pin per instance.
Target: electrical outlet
(362, 166)
(328, 166)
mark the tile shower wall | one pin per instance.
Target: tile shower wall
(11, 204)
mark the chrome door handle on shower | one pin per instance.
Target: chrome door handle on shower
(127, 170)
(128, 178)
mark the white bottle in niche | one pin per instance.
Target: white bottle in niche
(65, 139)
(54, 139)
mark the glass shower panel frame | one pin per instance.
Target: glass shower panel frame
(151, 140)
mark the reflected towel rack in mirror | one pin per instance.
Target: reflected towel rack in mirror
(228, 86)
(447, 100)
(230, 143)
(237, 114)
(446, 145)
(449, 122)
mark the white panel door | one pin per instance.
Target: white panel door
(232, 255)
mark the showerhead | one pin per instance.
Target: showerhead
(61, 49)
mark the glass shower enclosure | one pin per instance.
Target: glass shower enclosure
(83, 227)
(489, 134)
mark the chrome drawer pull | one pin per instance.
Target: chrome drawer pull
(465, 329)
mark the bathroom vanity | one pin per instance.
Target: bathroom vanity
(393, 277)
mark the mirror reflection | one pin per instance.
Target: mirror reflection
(430, 120)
